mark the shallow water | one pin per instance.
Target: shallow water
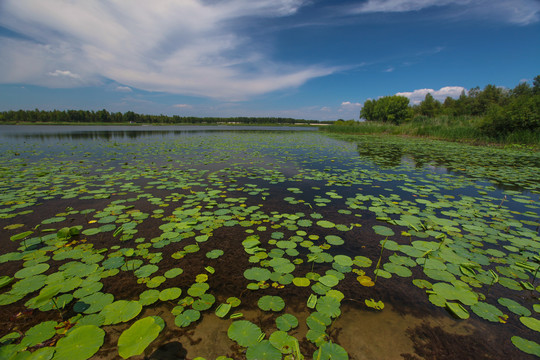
(170, 195)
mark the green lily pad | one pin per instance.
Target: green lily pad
(329, 306)
(120, 311)
(487, 311)
(5, 280)
(80, 344)
(330, 351)
(514, 307)
(286, 322)
(268, 302)
(39, 333)
(530, 322)
(134, 340)
(263, 351)
(527, 346)
(149, 297)
(146, 270)
(187, 317)
(282, 341)
(301, 281)
(457, 310)
(326, 224)
(383, 230)
(170, 294)
(222, 310)
(257, 274)
(172, 273)
(31, 271)
(198, 289)
(244, 332)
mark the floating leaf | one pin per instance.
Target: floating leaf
(377, 305)
(282, 341)
(257, 274)
(514, 307)
(286, 322)
(383, 230)
(170, 294)
(328, 306)
(457, 310)
(527, 346)
(268, 302)
(120, 311)
(39, 333)
(487, 311)
(330, 351)
(187, 317)
(301, 282)
(222, 310)
(263, 351)
(134, 340)
(80, 343)
(530, 322)
(326, 224)
(244, 332)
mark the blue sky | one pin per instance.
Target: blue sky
(309, 59)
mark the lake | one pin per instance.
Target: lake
(243, 242)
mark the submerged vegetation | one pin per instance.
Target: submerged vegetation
(116, 249)
(490, 115)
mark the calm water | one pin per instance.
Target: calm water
(325, 210)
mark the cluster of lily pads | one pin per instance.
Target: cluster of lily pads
(298, 199)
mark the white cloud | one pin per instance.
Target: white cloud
(182, 106)
(123, 89)
(183, 47)
(349, 105)
(66, 73)
(419, 95)
(521, 12)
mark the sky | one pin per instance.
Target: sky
(306, 59)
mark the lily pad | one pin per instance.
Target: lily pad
(527, 346)
(187, 317)
(268, 302)
(286, 322)
(487, 311)
(80, 344)
(134, 340)
(330, 351)
(120, 311)
(244, 332)
(263, 351)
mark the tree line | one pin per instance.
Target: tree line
(502, 110)
(129, 117)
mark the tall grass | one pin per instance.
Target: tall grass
(452, 128)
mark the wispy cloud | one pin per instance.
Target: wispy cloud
(418, 95)
(182, 106)
(183, 47)
(521, 12)
(123, 89)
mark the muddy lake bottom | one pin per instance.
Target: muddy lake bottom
(358, 248)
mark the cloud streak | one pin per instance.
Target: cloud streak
(521, 12)
(183, 47)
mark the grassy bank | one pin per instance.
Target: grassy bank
(460, 129)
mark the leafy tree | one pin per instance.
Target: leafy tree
(429, 107)
(394, 109)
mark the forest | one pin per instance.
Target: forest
(105, 117)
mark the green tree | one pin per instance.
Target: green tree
(394, 109)
(429, 107)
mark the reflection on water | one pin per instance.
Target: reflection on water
(49, 134)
